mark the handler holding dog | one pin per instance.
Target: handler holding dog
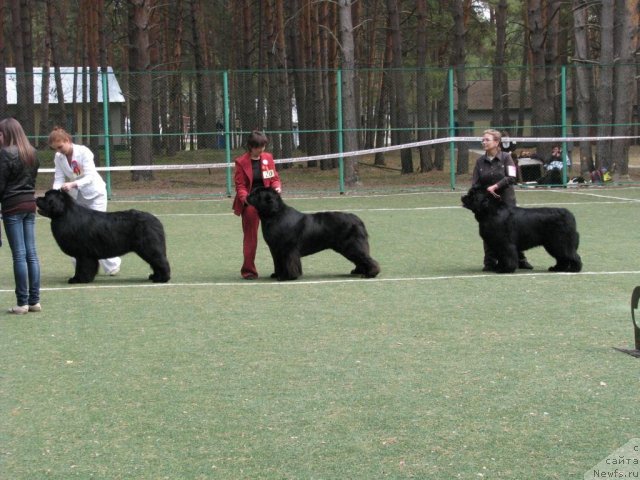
(496, 171)
(76, 174)
(254, 169)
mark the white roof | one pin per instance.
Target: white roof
(115, 92)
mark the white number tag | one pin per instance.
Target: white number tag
(511, 170)
(268, 174)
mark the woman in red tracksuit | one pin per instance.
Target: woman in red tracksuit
(254, 169)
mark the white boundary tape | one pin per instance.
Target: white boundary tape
(355, 153)
(301, 283)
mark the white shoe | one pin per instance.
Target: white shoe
(19, 310)
(35, 308)
(114, 272)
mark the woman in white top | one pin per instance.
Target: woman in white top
(76, 174)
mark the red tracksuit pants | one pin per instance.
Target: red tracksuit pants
(250, 224)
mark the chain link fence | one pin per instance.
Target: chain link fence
(174, 129)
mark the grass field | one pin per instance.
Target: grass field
(431, 370)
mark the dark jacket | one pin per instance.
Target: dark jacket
(17, 179)
(500, 170)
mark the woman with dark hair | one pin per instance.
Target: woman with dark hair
(254, 169)
(18, 171)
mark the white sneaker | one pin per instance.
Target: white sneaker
(19, 310)
(114, 272)
(35, 308)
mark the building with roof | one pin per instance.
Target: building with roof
(72, 84)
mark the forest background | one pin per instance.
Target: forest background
(395, 58)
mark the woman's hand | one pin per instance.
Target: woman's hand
(492, 190)
(68, 186)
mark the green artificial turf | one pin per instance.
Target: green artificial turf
(431, 370)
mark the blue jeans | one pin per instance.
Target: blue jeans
(21, 234)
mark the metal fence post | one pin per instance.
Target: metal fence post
(452, 130)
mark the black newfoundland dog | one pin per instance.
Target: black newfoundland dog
(291, 234)
(507, 230)
(88, 235)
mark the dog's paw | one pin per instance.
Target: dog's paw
(158, 278)
(286, 279)
(77, 280)
(503, 269)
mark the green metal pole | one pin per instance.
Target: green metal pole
(452, 131)
(340, 130)
(107, 136)
(227, 136)
(563, 99)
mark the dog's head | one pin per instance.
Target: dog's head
(53, 204)
(266, 200)
(478, 200)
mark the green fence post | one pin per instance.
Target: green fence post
(563, 100)
(452, 130)
(340, 130)
(107, 136)
(227, 136)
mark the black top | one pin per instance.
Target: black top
(17, 181)
(257, 174)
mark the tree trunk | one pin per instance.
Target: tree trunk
(349, 116)
(551, 59)
(296, 56)
(204, 105)
(627, 18)
(422, 87)
(273, 79)
(283, 87)
(159, 122)
(174, 53)
(52, 35)
(500, 114)
(382, 124)
(542, 107)
(442, 116)
(605, 88)
(44, 103)
(397, 85)
(320, 140)
(583, 75)
(522, 91)
(246, 100)
(140, 87)
(93, 49)
(23, 104)
(459, 58)
(27, 116)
